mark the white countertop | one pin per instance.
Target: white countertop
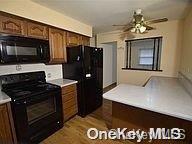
(4, 98)
(62, 82)
(161, 94)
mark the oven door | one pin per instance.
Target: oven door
(38, 115)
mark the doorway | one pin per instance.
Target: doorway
(109, 64)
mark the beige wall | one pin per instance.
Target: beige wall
(171, 48)
(34, 11)
(186, 58)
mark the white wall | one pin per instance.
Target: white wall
(52, 71)
(109, 64)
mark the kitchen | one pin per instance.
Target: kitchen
(55, 69)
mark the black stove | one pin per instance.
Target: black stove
(36, 105)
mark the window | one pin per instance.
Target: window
(143, 54)
(146, 56)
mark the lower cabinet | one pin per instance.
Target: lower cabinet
(7, 133)
(69, 98)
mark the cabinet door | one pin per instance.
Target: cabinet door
(12, 25)
(5, 128)
(85, 40)
(37, 30)
(73, 39)
(57, 45)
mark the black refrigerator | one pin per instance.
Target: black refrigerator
(85, 64)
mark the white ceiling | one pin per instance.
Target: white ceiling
(101, 14)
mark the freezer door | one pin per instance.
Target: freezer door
(74, 54)
(87, 61)
(73, 71)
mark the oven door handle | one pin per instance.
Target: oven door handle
(40, 97)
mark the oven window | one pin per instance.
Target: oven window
(40, 110)
(19, 50)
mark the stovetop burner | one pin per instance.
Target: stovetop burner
(22, 93)
(33, 89)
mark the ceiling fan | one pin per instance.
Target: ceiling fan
(139, 24)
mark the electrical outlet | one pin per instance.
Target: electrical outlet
(18, 67)
(49, 75)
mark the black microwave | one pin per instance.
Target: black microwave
(14, 49)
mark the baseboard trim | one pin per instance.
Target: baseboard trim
(106, 89)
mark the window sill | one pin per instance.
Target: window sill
(141, 69)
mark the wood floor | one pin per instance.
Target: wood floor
(74, 130)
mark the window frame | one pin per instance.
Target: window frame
(156, 47)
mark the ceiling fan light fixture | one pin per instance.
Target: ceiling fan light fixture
(133, 30)
(137, 30)
(142, 29)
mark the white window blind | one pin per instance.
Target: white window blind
(146, 56)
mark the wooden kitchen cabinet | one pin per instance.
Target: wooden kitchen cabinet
(73, 39)
(7, 135)
(57, 39)
(69, 98)
(11, 25)
(85, 41)
(37, 30)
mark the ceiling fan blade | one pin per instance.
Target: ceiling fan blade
(149, 27)
(127, 29)
(119, 25)
(156, 21)
(130, 24)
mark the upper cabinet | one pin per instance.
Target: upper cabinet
(57, 45)
(12, 25)
(85, 40)
(73, 39)
(37, 30)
